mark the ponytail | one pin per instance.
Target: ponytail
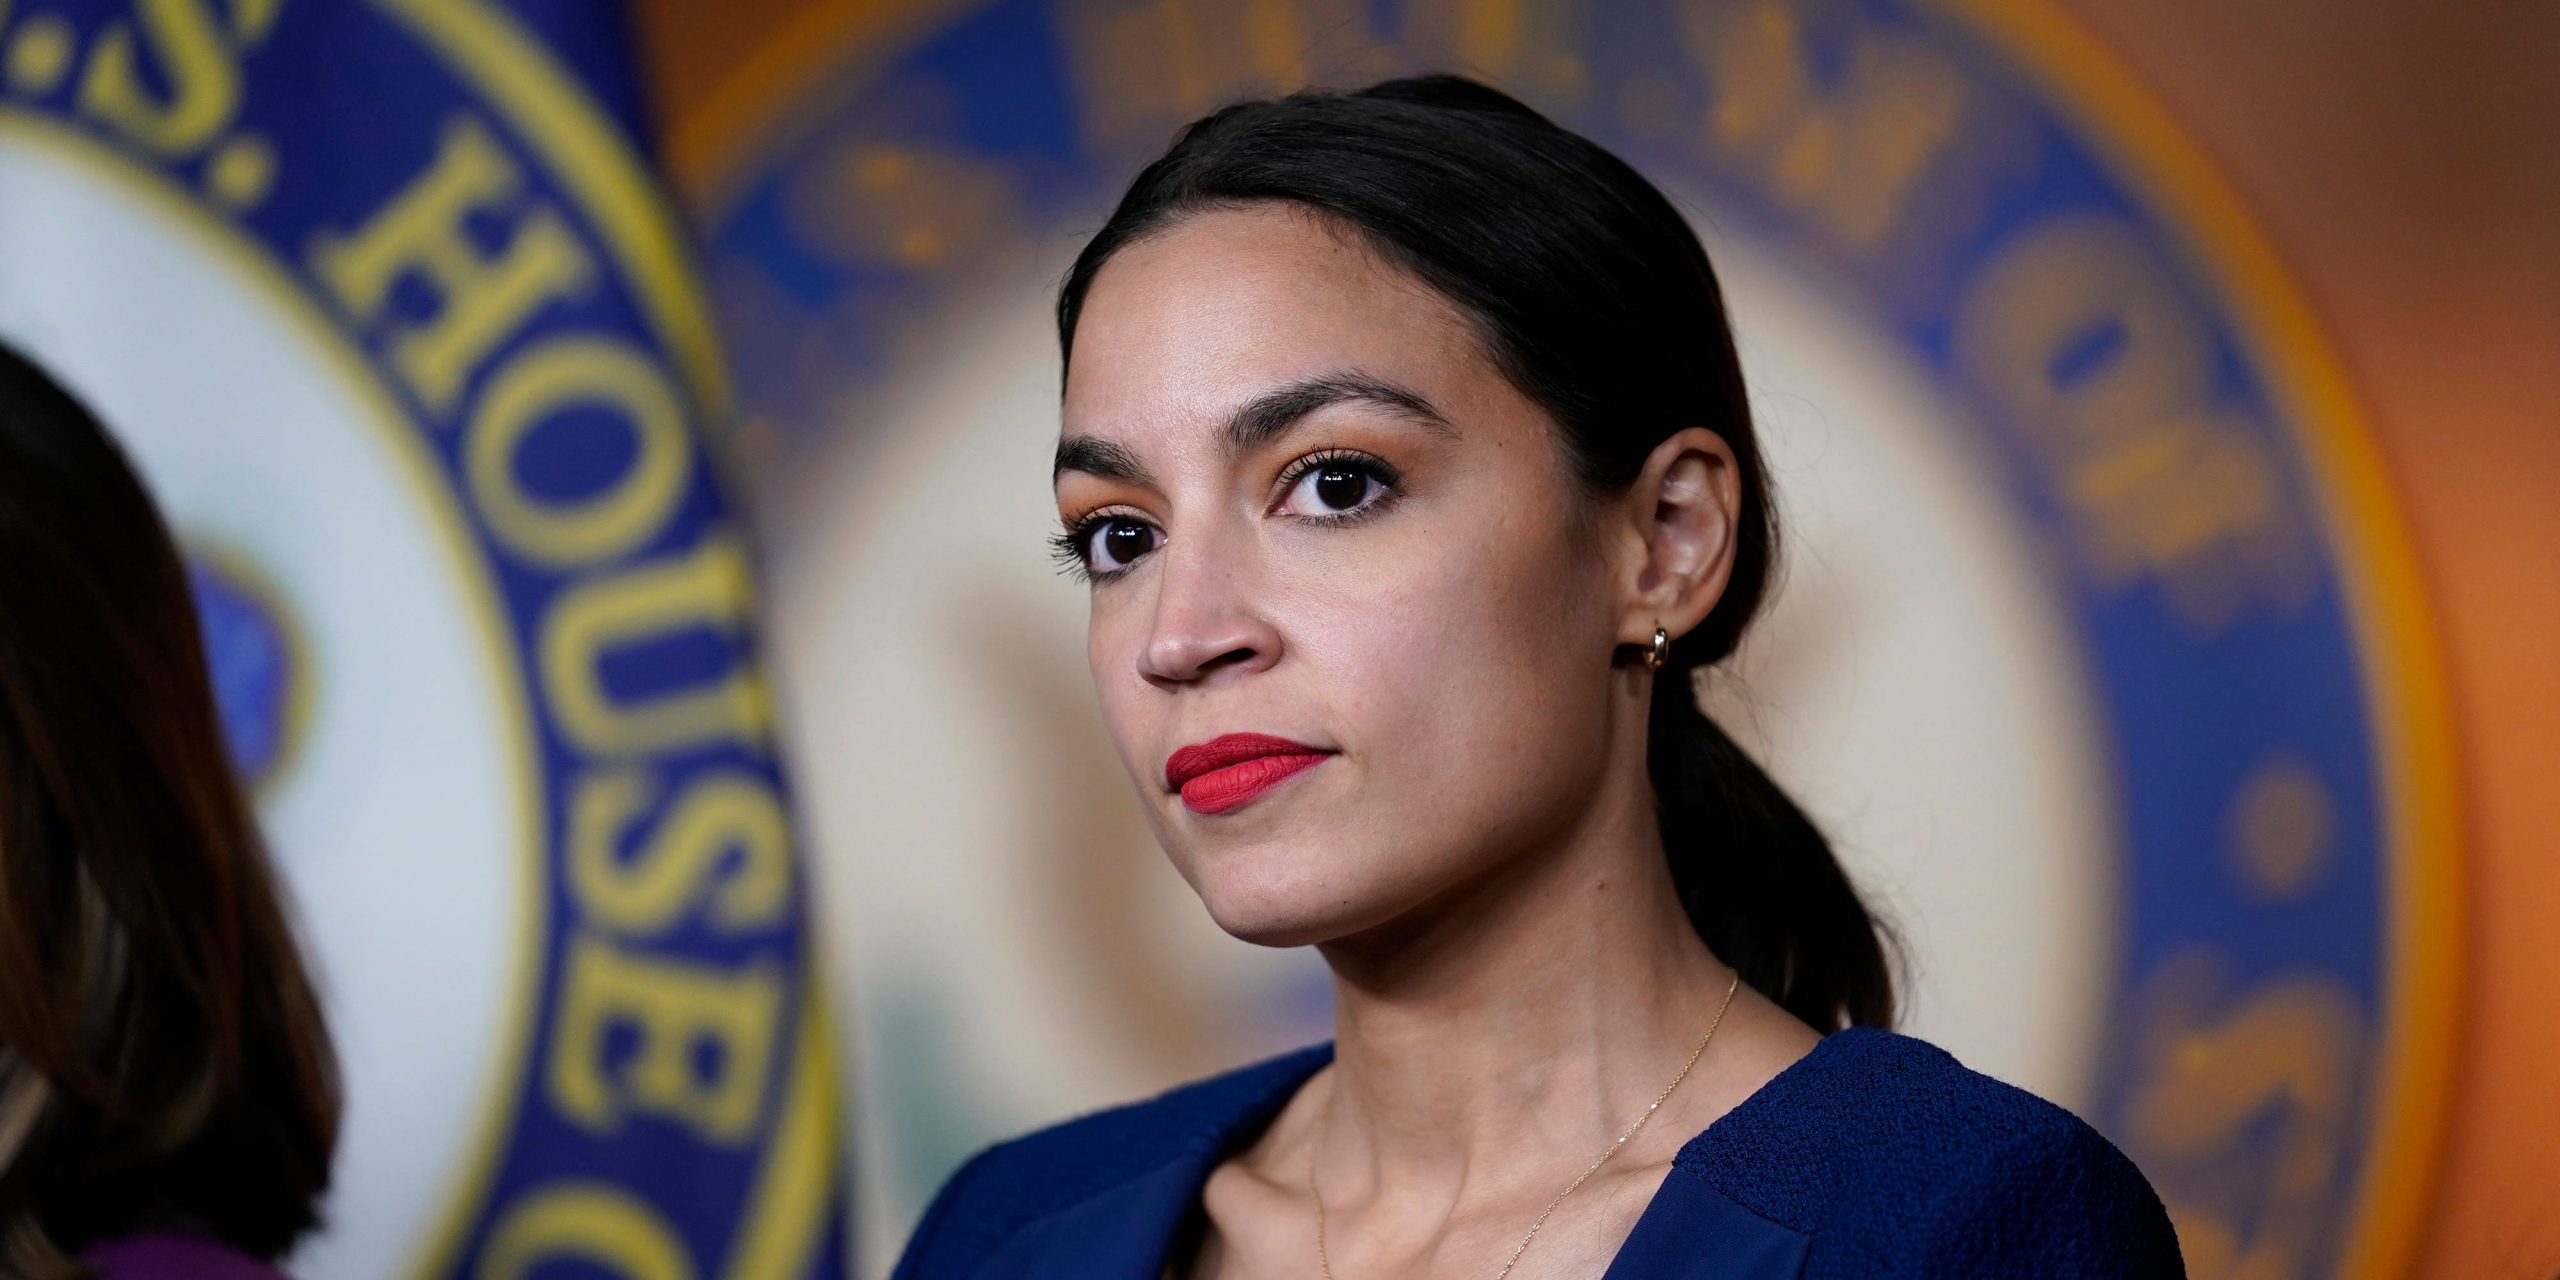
(1755, 875)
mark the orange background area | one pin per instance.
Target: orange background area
(2404, 160)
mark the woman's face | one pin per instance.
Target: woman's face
(1314, 511)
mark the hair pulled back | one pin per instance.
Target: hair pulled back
(1594, 297)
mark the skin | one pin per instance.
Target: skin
(1478, 862)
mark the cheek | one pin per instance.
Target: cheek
(1472, 667)
(1112, 638)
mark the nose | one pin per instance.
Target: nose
(1208, 617)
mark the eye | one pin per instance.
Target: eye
(1101, 546)
(1334, 485)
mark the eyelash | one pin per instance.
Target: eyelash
(1068, 547)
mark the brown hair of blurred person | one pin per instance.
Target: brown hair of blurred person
(163, 1063)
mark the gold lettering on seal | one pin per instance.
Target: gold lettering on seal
(482, 297)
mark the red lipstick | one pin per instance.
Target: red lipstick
(1230, 772)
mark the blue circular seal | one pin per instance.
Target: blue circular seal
(446, 199)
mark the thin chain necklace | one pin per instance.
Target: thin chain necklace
(1325, 1260)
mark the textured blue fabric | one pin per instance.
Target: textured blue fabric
(1874, 1155)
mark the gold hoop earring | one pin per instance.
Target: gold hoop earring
(1660, 652)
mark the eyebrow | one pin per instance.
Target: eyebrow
(1258, 422)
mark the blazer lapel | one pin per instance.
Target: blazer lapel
(1119, 1234)
(1691, 1231)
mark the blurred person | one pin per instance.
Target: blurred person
(168, 1094)
(1407, 453)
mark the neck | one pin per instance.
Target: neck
(1525, 1022)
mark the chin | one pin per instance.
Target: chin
(1274, 899)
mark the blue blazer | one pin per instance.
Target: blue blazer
(1874, 1155)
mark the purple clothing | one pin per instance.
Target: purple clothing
(172, 1257)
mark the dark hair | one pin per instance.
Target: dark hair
(1594, 297)
(163, 1064)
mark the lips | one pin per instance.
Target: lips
(1232, 771)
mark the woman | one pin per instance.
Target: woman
(1406, 450)
(168, 1098)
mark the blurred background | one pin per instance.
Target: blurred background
(2160, 402)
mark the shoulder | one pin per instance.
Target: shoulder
(1021, 1180)
(1898, 1159)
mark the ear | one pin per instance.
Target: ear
(1681, 514)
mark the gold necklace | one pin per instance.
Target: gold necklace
(1325, 1261)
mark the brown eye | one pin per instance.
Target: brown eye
(1117, 542)
(1335, 486)
(1340, 488)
